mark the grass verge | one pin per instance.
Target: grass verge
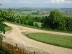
(7, 28)
(57, 40)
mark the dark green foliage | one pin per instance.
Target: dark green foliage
(55, 21)
(14, 16)
(23, 20)
(68, 22)
(29, 21)
(2, 28)
(2, 25)
(38, 19)
(58, 21)
(3, 51)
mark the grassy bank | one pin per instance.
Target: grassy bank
(57, 40)
(7, 28)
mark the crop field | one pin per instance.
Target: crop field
(57, 40)
(33, 13)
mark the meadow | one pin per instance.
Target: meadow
(34, 13)
(57, 40)
(7, 28)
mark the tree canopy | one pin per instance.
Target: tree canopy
(57, 20)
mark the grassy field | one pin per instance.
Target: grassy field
(26, 13)
(57, 40)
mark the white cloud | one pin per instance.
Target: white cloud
(61, 1)
(4, 1)
(35, 1)
(57, 1)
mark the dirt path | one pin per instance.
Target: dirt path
(15, 36)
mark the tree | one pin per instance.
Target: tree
(23, 19)
(2, 28)
(53, 20)
(68, 23)
(2, 25)
(29, 21)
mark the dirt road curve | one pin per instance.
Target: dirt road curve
(15, 36)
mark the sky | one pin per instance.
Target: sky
(36, 3)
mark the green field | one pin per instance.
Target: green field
(26, 13)
(7, 28)
(57, 40)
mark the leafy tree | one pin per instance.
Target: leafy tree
(54, 19)
(23, 19)
(2, 28)
(57, 20)
(68, 23)
(2, 25)
(29, 21)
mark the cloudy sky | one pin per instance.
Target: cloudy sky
(36, 3)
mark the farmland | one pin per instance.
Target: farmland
(34, 13)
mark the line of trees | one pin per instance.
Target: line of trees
(14, 16)
(56, 20)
